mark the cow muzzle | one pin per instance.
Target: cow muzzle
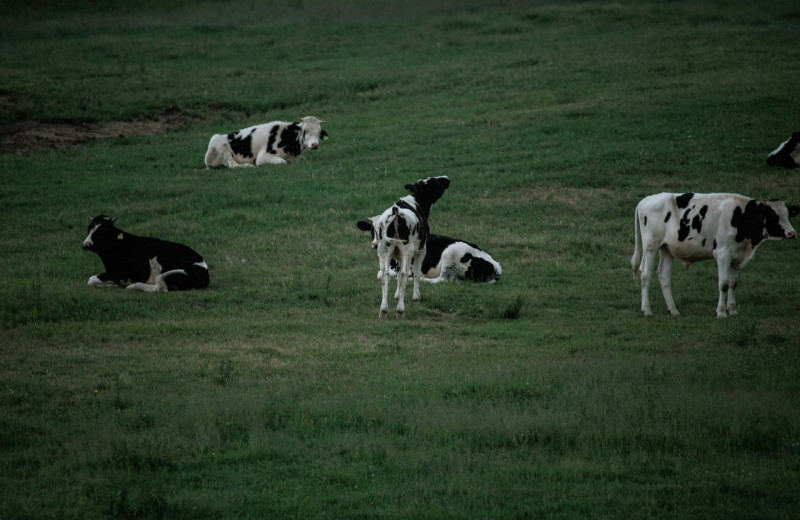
(791, 234)
(87, 244)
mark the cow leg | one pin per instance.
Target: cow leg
(267, 158)
(733, 277)
(646, 273)
(665, 279)
(402, 281)
(724, 275)
(416, 271)
(97, 281)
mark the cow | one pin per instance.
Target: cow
(401, 233)
(277, 142)
(693, 227)
(143, 263)
(787, 154)
(449, 259)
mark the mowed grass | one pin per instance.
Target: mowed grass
(277, 392)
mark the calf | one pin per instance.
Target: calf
(693, 227)
(147, 264)
(787, 154)
(401, 233)
(277, 142)
(448, 259)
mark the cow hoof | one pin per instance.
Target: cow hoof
(383, 314)
(721, 315)
(401, 314)
(675, 313)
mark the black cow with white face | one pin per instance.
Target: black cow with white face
(787, 154)
(693, 227)
(143, 263)
(277, 142)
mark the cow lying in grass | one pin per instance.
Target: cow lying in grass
(693, 227)
(401, 233)
(449, 259)
(277, 142)
(147, 264)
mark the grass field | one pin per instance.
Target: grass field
(277, 392)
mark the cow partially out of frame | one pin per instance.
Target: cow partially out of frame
(692, 227)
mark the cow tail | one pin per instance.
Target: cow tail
(391, 222)
(637, 253)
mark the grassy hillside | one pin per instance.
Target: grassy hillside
(277, 392)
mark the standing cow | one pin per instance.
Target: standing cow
(401, 233)
(277, 142)
(693, 227)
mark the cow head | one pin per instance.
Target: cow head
(776, 219)
(430, 189)
(370, 226)
(101, 233)
(313, 133)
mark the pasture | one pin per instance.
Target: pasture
(277, 392)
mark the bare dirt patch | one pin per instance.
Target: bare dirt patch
(30, 137)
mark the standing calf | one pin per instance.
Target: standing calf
(693, 227)
(147, 264)
(401, 233)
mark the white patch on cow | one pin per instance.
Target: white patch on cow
(87, 242)
(95, 281)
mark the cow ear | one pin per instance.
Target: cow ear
(794, 211)
(363, 225)
(411, 188)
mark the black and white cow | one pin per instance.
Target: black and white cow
(693, 227)
(449, 259)
(147, 264)
(787, 154)
(401, 233)
(277, 142)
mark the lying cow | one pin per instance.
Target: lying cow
(693, 227)
(787, 154)
(401, 233)
(277, 142)
(147, 264)
(448, 259)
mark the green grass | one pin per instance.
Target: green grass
(277, 392)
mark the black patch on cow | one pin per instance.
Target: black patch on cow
(684, 229)
(683, 200)
(241, 145)
(715, 244)
(704, 243)
(697, 221)
(772, 222)
(479, 270)
(273, 136)
(645, 220)
(748, 223)
(290, 139)
(669, 214)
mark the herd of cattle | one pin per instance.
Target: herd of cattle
(688, 226)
